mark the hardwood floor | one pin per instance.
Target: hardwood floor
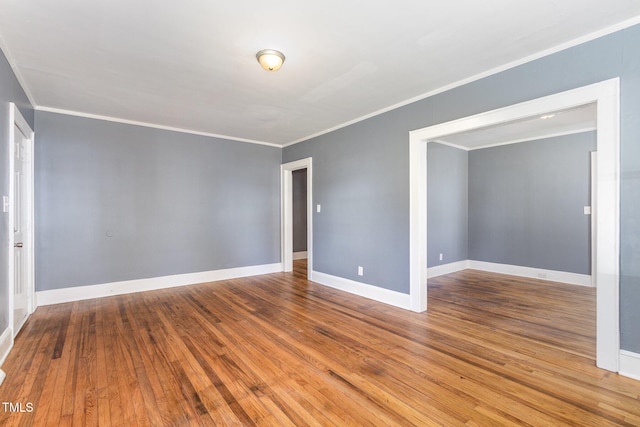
(279, 350)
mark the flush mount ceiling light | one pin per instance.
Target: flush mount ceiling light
(270, 60)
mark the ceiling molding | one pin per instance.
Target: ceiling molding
(14, 68)
(449, 144)
(515, 141)
(152, 125)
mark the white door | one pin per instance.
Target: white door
(21, 293)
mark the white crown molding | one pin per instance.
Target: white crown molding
(14, 68)
(558, 48)
(450, 144)
(151, 125)
(536, 138)
(516, 141)
(78, 293)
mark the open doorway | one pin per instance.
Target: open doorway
(297, 217)
(606, 97)
(299, 207)
(515, 198)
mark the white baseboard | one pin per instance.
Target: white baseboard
(533, 273)
(630, 364)
(513, 270)
(58, 296)
(300, 255)
(6, 343)
(443, 269)
(376, 293)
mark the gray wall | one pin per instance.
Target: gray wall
(120, 202)
(10, 91)
(447, 204)
(361, 172)
(299, 189)
(526, 203)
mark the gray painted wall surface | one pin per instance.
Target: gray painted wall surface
(119, 202)
(447, 204)
(299, 189)
(526, 203)
(361, 172)
(10, 91)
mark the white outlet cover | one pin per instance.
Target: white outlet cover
(5, 203)
(318, 208)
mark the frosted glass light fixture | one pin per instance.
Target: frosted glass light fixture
(270, 60)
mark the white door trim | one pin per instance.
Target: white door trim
(607, 205)
(17, 120)
(286, 216)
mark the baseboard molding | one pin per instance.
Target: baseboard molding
(630, 364)
(300, 255)
(513, 270)
(58, 296)
(452, 267)
(533, 273)
(6, 343)
(375, 293)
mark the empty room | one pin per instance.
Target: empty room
(329, 213)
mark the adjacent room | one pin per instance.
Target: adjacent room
(323, 214)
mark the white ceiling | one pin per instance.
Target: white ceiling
(191, 65)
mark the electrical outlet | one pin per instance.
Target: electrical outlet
(360, 270)
(318, 208)
(441, 257)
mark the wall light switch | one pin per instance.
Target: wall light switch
(360, 270)
(5, 203)
(318, 208)
(587, 210)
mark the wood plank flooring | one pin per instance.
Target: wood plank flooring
(277, 350)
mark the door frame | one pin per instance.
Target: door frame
(16, 119)
(607, 204)
(286, 213)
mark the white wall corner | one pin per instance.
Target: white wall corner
(58, 296)
(376, 293)
(629, 364)
(6, 343)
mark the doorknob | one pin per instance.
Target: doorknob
(17, 245)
